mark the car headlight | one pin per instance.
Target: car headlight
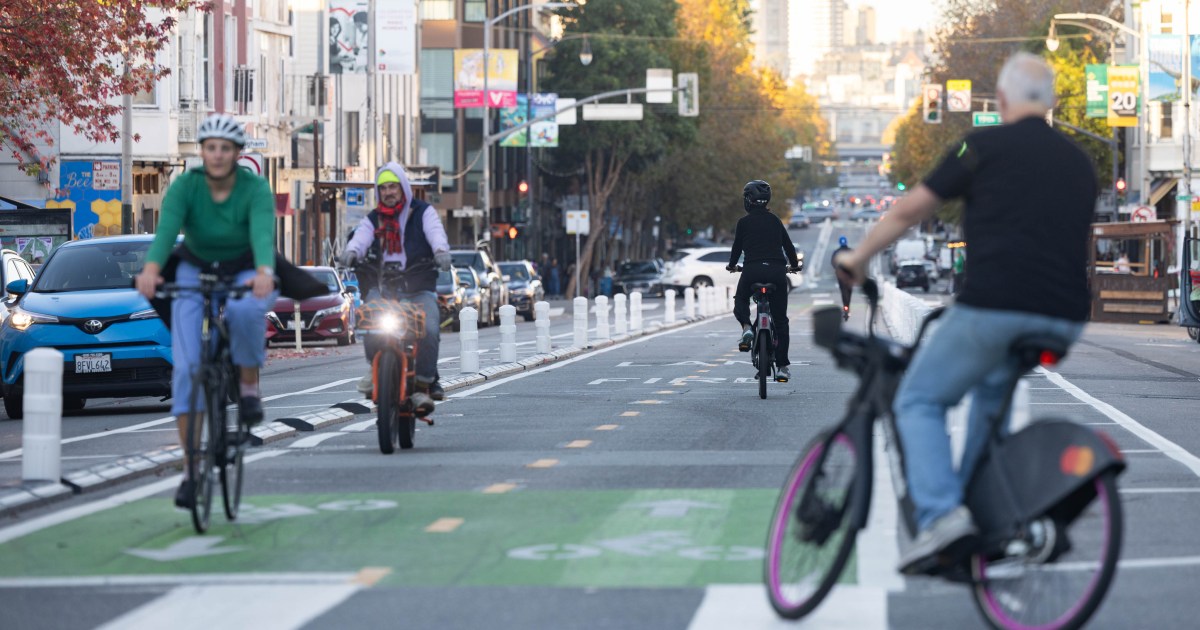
(22, 319)
(146, 314)
(332, 310)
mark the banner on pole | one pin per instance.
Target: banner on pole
(545, 133)
(1122, 96)
(1097, 90)
(349, 21)
(512, 117)
(396, 36)
(468, 78)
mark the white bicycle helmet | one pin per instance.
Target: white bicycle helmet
(222, 126)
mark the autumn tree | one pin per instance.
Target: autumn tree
(65, 60)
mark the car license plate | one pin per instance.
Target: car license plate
(93, 362)
(291, 324)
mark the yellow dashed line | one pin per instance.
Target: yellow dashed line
(607, 427)
(444, 525)
(665, 391)
(368, 576)
(648, 402)
(630, 414)
(499, 488)
(579, 443)
(702, 371)
(542, 463)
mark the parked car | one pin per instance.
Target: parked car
(82, 303)
(524, 286)
(800, 220)
(476, 294)
(931, 270)
(452, 297)
(327, 316)
(911, 273)
(866, 214)
(817, 214)
(12, 267)
(703, 267)
(480, 259)
(639, 275)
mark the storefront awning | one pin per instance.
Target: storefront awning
(1160, 188)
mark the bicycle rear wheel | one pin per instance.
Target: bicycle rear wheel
(233, 445)
(387, 404)
(1056, 576)
(765, 361)
(201, 455)
(814, 526)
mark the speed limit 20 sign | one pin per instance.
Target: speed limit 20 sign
(1122, 96)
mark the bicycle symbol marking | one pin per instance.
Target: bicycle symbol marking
(648, 545)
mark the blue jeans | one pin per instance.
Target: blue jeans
(245, 318)
(427, 347)
(969, 351)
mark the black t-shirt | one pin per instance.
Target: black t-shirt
(764, 239)
(1030, 195)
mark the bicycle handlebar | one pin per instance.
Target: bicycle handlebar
(738, 268)
(172, 290)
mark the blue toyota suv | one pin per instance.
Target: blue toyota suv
(83, 304)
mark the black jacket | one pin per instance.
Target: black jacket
(764, 239)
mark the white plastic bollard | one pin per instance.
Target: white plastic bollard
(620, 323)
(689, 303)
(41, 442)
(729, 293)
(296, 322)
(580, 306)
(602, 317)
(541, 322)
(635, 311)
(468, 339)
(704, 297)
(669, 306)
(508, 333)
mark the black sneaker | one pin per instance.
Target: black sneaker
(250, 410)
(185, 495)
(436, 392)
(745, 340)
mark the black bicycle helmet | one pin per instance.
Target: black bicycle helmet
(756, 194)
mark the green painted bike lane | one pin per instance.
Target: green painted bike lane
(608, 538)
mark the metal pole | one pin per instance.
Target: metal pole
(1185, 187)
(485, 182)
(372, 147)
(126, 158)
(316, 206)
(577, 264)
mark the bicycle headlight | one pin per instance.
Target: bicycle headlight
(22, 319)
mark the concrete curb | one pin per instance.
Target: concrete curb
(27, 495)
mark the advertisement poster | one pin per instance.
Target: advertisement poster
(396, 36)
(95, 211)
(1097, 90)
(349, 21)
(1166, 67)
(468, 78)
(511, 117)
(543, 134)
(1122, 96)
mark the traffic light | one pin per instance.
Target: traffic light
(901, 187)
(523, 187)
(1120, 187)
(931, 96)
(513, 232)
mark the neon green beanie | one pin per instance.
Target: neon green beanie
(387, 177)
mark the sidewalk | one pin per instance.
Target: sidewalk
(17, 495)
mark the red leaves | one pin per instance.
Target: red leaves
(63, 61)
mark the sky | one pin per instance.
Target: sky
(891, 17)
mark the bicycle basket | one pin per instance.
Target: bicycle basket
(384, 314)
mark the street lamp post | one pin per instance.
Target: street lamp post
(485, 182)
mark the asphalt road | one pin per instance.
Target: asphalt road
(629, 487)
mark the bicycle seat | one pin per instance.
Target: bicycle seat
(1040, 349)
(758, 287)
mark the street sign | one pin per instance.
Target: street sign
(612, 111)
(355, 197)
(255, 143)
(958, 95)
(660, 79)
(567, 117)
(689, 98)
(466, 212)
(1143, 214)
(578, 222)
(252, 161)
(985, 119)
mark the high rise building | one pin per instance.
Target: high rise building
(829, 24)
(864, 31)
(771, 34)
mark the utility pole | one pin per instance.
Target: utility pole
(372, 128)
(126, 158)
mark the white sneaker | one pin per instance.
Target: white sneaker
(366, 385)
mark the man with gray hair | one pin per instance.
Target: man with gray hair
(1029, 197)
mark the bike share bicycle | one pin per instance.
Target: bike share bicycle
(217, 439)
(1044, 499)
(394, 327)
(762, 344)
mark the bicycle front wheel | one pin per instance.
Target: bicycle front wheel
(1056, 575)
(814, 526)
(387, 404)
(233, 445)
(201, 455)
(406, 428)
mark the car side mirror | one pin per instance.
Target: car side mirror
(352, 289)
(18, 287)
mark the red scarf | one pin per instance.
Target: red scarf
(389, 229)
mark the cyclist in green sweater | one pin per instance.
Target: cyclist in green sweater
(227, 215)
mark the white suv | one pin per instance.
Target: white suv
(704, 267)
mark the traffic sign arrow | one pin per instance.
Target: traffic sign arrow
(191, 547)
(674, 508)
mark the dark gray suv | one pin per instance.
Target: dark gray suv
(489, 275)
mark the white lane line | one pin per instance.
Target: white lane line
(822, 302)
(1159, 490)
(153, 423)
(1140, 450)
(33, 525)
(877, 552)
(744, 606)
(176, 580)
(260, 606)
(1058, 403)
(1171, 449)
(555, 366)
(313, 440)
(358, 426)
